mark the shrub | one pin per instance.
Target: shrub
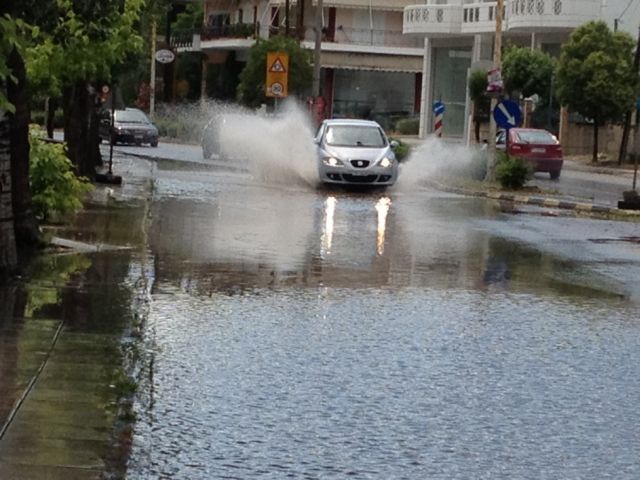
(402, 150)
(55, 187)
(408, 126)
(511, 172)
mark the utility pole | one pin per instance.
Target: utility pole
(497, 65)
(627, 118)
(152, 80)
(315, 89)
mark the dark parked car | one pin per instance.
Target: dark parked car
(129, 126)
(539, 148)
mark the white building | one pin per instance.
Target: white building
(387, 59)
(369, 68)
(458, 36)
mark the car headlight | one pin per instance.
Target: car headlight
(386, 162)
(332, 161)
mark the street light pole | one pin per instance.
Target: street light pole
(497, 65)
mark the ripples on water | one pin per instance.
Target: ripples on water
(371, 383)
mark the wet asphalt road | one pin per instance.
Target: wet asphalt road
(297, 332)
(575, 182)
(279, 330)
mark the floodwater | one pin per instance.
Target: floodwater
(302, 333)
(63, 328)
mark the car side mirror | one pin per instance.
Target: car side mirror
(394, 144)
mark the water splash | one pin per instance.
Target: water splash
(437, 159)
(275, 148)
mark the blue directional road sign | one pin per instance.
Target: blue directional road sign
(438, 108)
(507, 114)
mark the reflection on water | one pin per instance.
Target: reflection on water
(312, 335)
(62, 326)
(382, 207)
(327, 232)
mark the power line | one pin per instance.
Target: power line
(625, 9)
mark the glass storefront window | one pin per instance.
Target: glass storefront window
(380, 96)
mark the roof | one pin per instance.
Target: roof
(352, 121)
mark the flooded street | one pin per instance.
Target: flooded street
(304, 333)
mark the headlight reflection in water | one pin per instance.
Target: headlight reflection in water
(382, 207)
(327, 232)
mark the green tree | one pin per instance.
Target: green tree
(528, 72)
(15, 34)
(481, 103)
(251, 90)
(595, 75)
(79, 51)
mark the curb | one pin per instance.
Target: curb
(543, 202)
(204, 163)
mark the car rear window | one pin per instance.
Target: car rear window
(355, 136)
(131, 116)
(536, 137)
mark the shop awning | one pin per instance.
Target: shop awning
(371, 61)
(392, 5)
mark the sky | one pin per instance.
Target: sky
(627, 11)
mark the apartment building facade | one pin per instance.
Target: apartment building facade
(387, 59)
(458, 37)
(369, 69)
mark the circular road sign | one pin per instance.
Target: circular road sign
(165, 56)
(277, 89)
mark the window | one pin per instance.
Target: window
(355, 136)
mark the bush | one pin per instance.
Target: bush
(408, 126)
(37, 116)
(402, 150)
(511, 172)
(55, 187)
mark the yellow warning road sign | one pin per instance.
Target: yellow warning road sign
(277, 74)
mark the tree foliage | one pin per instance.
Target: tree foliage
(56, 188)
(85, 43)
(528, 71)
(12, 33)
(595, 73)
(251, 90)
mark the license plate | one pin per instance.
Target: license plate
(538, 150)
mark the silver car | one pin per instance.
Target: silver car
(355, 152)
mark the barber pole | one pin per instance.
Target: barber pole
(438, 111)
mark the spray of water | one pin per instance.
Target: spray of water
(276, 148)
(437, 159)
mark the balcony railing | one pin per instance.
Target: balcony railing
(519, 15)
(373, 37)
(436, 19)
(545, 14)
(478, 18)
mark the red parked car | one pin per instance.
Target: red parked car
(541, 149)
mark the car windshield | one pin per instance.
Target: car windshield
(131, 116)
(536, 137)
(355, 136)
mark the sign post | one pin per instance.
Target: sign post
(277, 83)
(438, 111)
(507, 115)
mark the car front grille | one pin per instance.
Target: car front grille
(360, 163)
(359, 179)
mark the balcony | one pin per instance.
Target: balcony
(550, 15)
(478, 18)
(520, 16)
(436, 20)
(374, 38)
